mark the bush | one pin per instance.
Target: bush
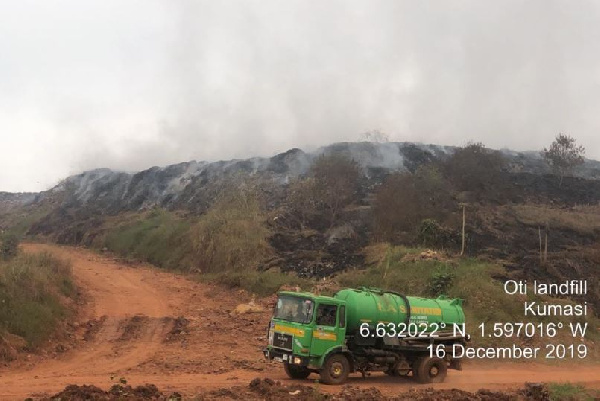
(158, 237)
(405, 199)
(260, 283)
(31, 288)
(232, 235)
(433, 235)
(440, 282)
(467, 279)
(9, 246)
(301, 200)
(396, 208)
(475, 168)
(568, 391)
(336, 184)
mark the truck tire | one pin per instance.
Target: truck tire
(335, 370)
(295, 371)
(430, 370)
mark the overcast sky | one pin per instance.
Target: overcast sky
(131, 84)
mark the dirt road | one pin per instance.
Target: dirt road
(155, 327)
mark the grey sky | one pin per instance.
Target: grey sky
(131, 84)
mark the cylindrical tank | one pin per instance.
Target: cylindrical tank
(371, 305)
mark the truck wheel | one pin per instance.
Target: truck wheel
(335, 369)
(430, 370)
(295, 371)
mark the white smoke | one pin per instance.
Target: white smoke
(130, 85)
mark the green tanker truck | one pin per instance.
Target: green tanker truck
(365, 330)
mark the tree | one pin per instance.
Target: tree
(405, 199)
(302, 201)
(337, 183)
(563, 155)
(475, 167)
(232, 234)
(397, 207)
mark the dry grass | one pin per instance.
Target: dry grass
(583, 219)
(466, 278)
(158, 237)
(231, 236)
(32, 287)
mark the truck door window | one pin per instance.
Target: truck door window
(326, 315)
(342, 317)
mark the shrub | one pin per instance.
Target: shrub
(232, 235)
(475, 168)
(301, 199)
(440, 282)
(405, 199)
(158, 237)
(568, 391)
(337, 183)
(432, 234)
(396, 208)
(260, 283)
(31, 288)
(467, 279)
(9, 246)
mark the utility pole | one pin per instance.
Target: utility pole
(540, 236)
(464, 220)
(546, 243)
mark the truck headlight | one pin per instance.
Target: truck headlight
(297, 360)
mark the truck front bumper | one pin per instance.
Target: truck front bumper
(285, 356)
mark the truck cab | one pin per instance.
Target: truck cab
(304, 330)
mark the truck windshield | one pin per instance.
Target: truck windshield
(294, 309)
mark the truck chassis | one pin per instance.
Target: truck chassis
(394, 356)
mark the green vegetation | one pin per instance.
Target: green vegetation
(402, 269)
(224, 246)
(32, 287)
(563, 155)
(158, 237)
(475, 168)
(232, 235)
(23, 220)
(568, 392)
(9, 246)
(440, 281)
(260, 283)
(319, 200)
(406, 201)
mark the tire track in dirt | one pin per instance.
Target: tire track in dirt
(136, 308)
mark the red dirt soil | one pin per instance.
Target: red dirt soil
(151, 326)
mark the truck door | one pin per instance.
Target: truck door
(330, 328)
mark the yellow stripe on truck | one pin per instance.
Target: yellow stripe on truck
(321, 335)
(289, 330)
